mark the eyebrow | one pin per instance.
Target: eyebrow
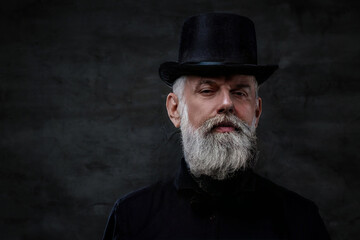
(242, 85)
(213, 82)
(203, 82)
(206, 81)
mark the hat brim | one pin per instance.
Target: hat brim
(170, 71)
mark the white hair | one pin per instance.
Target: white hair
(178, 86)
(178, 89)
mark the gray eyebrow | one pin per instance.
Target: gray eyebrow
(213, 82)
(206, 81)
(242, 85)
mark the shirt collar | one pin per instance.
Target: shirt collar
(184, 180)
(243, 181)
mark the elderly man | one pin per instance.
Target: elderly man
(215, 195)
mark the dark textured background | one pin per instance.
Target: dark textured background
(83, 121)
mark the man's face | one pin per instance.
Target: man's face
(208, 97)
(218, 117)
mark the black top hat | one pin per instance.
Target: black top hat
(216, 44)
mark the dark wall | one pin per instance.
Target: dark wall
(82, 116)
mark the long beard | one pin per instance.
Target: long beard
(218, 155)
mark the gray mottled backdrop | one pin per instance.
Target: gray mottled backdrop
(83, 121)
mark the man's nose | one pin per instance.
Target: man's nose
(226, 103)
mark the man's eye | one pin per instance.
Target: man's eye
(206, 91)
(240, 93)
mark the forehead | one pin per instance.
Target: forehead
(232, 79)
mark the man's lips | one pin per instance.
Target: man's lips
(224, 127)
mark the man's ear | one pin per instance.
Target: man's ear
(172, 106)
(258, 111)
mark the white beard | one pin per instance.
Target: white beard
(217, 155)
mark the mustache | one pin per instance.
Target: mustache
(228, 120)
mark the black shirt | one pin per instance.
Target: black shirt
(245, 206)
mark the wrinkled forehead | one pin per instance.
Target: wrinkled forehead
(219, 80)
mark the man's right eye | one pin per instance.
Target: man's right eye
(206, 91)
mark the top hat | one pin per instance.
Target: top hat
(216, 44)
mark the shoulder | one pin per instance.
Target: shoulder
(151, 192)
(301, 215)
(145, 201)
(288, 198)
(132, 212)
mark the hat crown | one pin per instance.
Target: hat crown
(218, 37)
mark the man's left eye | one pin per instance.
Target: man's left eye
(240, 93)
(206, 91)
